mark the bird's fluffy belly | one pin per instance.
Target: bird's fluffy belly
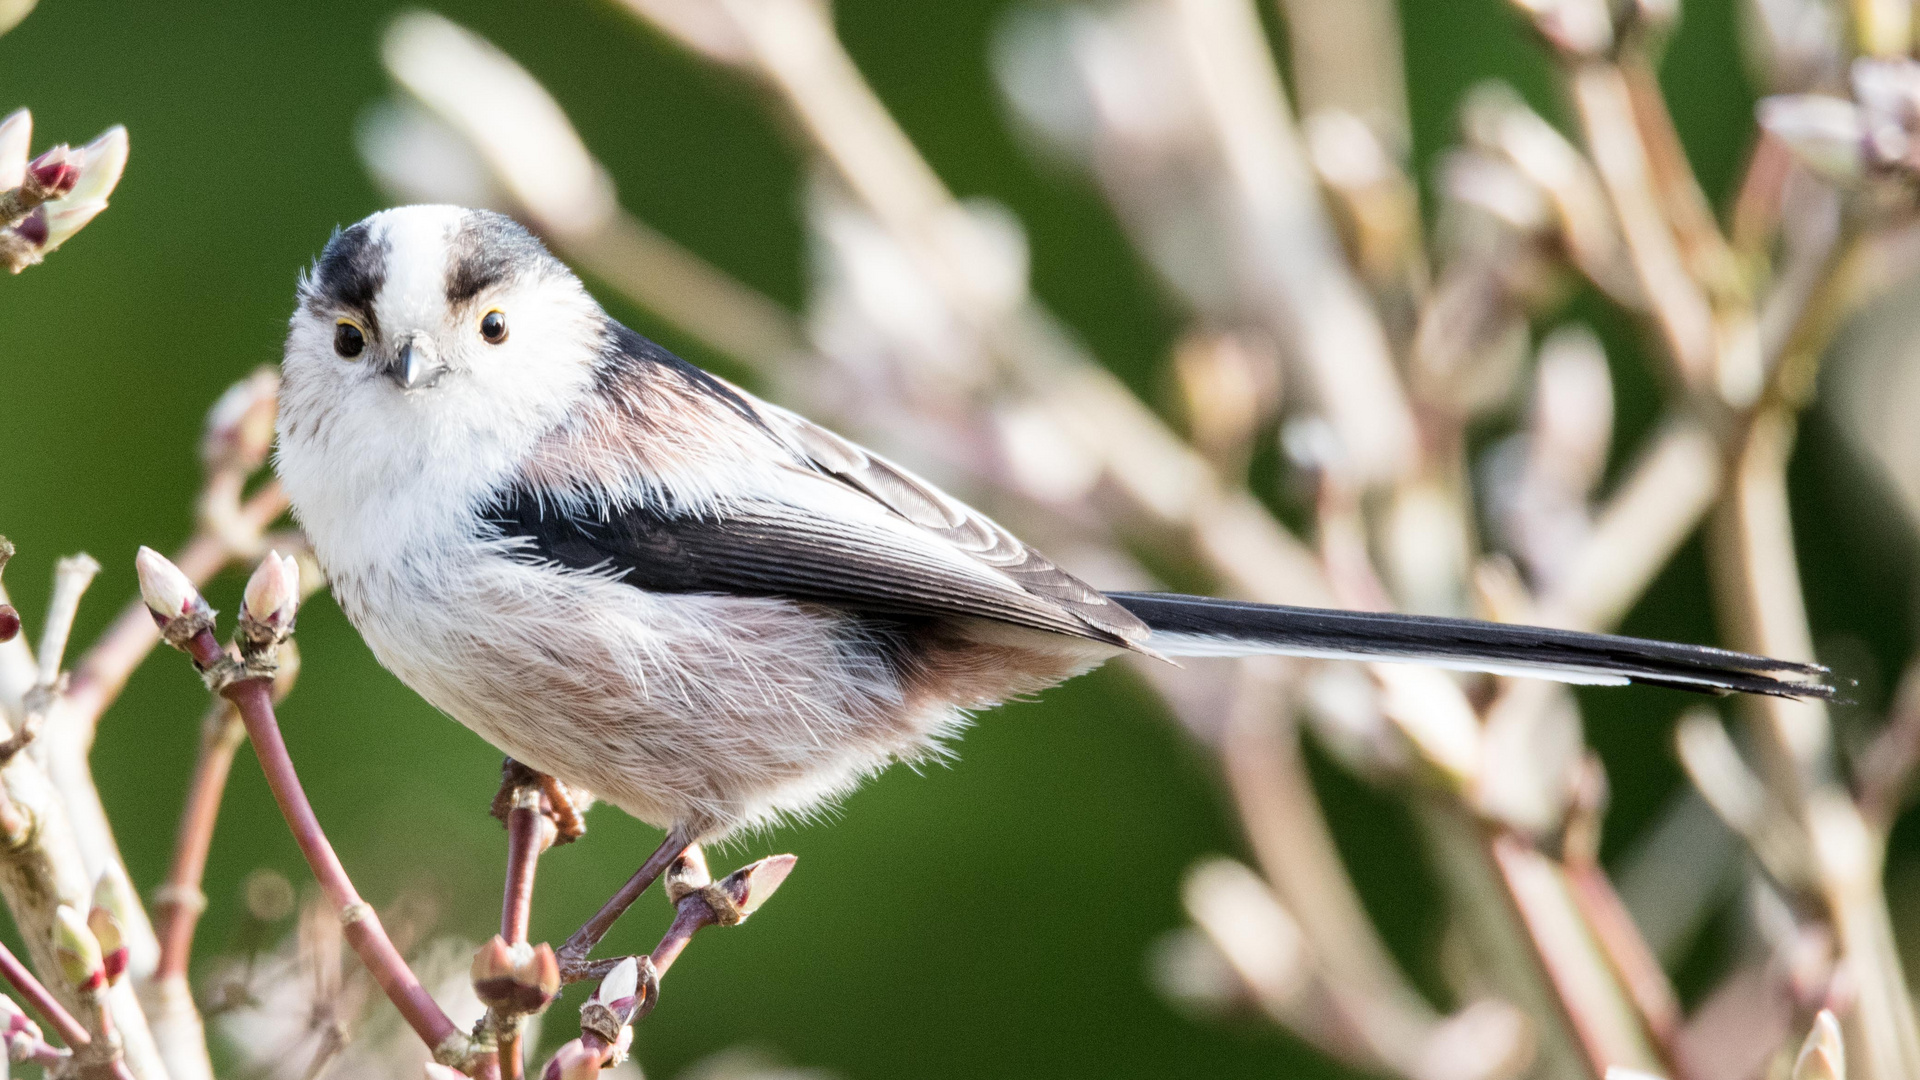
(710, 711)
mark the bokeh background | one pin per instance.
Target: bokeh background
(988, 918)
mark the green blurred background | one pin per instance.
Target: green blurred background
(988, 918)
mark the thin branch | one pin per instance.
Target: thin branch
(1660, 503)
(1289, 836)
(1600, 1012)
(1638, 969)
(1883, 772)
(1294, 262)
(530, 831)
(266, 620)
(1605, 104)
(180, 901)
(70, 1030)
(362, 929)
(71, 577)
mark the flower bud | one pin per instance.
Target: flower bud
(100, 164)
(574, 1061)
(688, 874)
(271, 599)
(751, 885)
(16, 135)
(1824, 1055)
(239, 431)
(105, 924)
(520, 978)
(619, 991)
(77, 951)
(14, 1021)
(613, 1004)
(9, 622)
(167, 592)
(54, 173)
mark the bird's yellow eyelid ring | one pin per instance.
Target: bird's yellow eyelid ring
(349, 340)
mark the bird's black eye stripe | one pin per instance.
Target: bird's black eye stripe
(348, 341)
(494, 327)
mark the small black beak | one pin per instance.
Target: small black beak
(417, 366)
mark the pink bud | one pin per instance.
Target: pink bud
(574, 1061)
(104, 921)
(14, 1021)
(16, 134)
(101, 163)
(77, 950)
(619, 990)
(113, 948)
(55, 172)
(240, 425)
(272, 596)
(167, 592)
(524, 978)
(754, 883)
(35, 228)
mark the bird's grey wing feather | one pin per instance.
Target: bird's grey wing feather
(950, 521)
(788, 509)
(857, 560)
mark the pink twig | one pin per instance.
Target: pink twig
(525, 842)
(181, 901)
(528, 835)
(254, 698)
(71, 1031)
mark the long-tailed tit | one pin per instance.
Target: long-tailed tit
(639, 579)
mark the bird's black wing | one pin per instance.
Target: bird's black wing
(860, 562)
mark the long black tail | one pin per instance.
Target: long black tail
(1200, 626)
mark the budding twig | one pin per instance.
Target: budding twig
(700, 902)
(513, 979)
(606, 1022)
(186, 622)
(71, 577)
(71, 1031)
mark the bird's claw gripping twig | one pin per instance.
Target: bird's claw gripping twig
(557, 802)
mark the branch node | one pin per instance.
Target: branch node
(456, 1050)
(180, 898)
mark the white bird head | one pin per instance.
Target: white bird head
(430, 347)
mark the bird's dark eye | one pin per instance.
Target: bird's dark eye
(348, 341)
(494, 327)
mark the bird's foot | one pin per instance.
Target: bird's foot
(560, 804)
